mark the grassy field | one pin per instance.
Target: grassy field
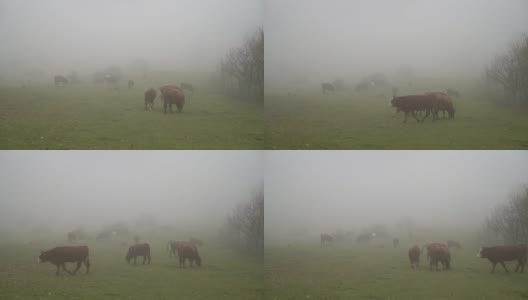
(366, 121)
(94, 117)
(223, 275)
(378, 271)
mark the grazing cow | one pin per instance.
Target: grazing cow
(412, 104)
(414, 256)
(196, 241)
(170, 96)
(453, 93)
(500, 254)
(327, 87)
(438, 252)
(362, 86)
(326, 239)
(61, 255)
(187, 86)
(138, 250)
(395, 242)
(451, 243)
(61, 80)
(150, 95)
(187, 250)
(130, 84)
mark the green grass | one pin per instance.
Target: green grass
(94, 117)
(366, 121)
(223, 275)
(351, 271)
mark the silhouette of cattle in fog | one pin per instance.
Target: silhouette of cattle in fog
(61, 80)
(138, 250)
(455, 244)
(172, 94)
(172, 247)
(326, 239)
(61, 255)
(500, 254)
(327, 87)
(150, 95)
(453, 93)
(188, 251)
(196, 241)
(438, 252)
(443, 102)
(364, 237)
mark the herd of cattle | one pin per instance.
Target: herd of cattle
(59, 256)
(170, 94)
(440, 253)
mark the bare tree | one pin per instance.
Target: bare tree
(509, 221)
(244, 228)
(245, 66)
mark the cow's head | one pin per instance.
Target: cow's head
(482, 252)
(128, 256)
(43, 257)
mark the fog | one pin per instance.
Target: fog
(319, 40)
(321, 191)
(61, 190)
(59, 36)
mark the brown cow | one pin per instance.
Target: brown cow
(455, 244)
(173, 96)
(326, 239)
(395, 242)
(187, 250)
(150, 95)
(138, 250)
(130, 84)
(61, 255)
(172, 247)
(414, 256)
(443, 103)
(60, 80)
(438, 252)
(414, 103)
(500, 254)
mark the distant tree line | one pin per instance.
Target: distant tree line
(241, 72)
(244, 227)
(509, 221)
(506, 79)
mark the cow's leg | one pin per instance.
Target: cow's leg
(518, 266)
(493, 268)
(146, 104)
(181, 261)
(405, 118)
(164, 107)
(79, 263)
(170, 107)
(427, 113)
(87, 264)
(64, 268)
(135, 257)
(504, 266)
(57, 273)
(144, 259)
(149, 259)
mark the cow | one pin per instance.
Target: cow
(500, 254)
(138, 250)
(61, 255)
(362, 86)
(60, 80)
(443, 103)
(172, 247)
(455, 244)
(364, 237)
(438, 252)
(453, 93)
(172, 95)
(187, 86)
(187, 250)
(414, 256)
(72, 237)
(130, 84)
(150, 95)
(395, 242)
(196, 241)
(413, 103)
(326, 239)
(327, 87)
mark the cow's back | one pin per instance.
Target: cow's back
(67, 254)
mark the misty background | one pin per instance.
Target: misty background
(311, 192)
(58, 36)
(311, 41)
(62, 190)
